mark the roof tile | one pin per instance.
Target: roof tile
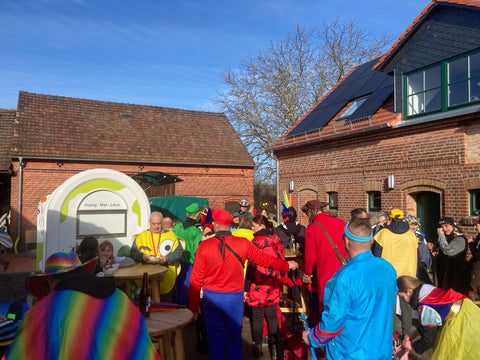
(72, 128)
(7, 120)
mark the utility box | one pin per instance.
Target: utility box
(103, 203)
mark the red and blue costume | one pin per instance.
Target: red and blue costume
(218, 269)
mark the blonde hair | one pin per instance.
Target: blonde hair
(104, 244)
(407, 282)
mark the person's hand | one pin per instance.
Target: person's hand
(407, 343)
(307, 279)
(439, 231)
(470, 239)
(146, 257)
(162, 259)
(292, 265)
(305, 338)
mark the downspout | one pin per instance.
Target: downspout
(20, 186)
(278, 188)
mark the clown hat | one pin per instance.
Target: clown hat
(56, 264)
(243, 202)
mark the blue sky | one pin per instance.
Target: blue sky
(158, 52)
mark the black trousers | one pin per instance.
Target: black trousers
(258, 313)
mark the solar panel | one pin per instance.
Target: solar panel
(361, 82)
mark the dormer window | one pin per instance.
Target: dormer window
(443, 86)
(424, 91)
(464, 80)
(351, 109)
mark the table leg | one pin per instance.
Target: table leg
(161, 348)
(155, 287)
(169, 350)
(179, 350)
(170, 345)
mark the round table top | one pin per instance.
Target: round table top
(136, 271)
(165, 321)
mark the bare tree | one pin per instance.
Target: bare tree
(270, 92)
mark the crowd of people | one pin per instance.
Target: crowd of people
(364, 280)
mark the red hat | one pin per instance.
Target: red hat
(314, 205)
(222, 217)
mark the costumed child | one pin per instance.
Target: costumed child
(105, 254)
(452, 315)
(263, 289)
(106, 259)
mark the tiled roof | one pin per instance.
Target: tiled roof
(7, 120)
(70, 128)
(382, 62)
(282, 139)
(320, 122)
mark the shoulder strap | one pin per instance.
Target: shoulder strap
(342, 258)
(223, 243)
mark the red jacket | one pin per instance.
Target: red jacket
(264, 285)
(319, 251)
(215, 272)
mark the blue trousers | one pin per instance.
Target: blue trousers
(223, 314)
(181, 284)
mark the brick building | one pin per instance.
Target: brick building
(402, 130)
(53, 138)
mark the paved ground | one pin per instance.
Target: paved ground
(190, 341)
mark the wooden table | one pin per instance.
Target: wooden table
(165, 329)
(295, 255)
(135, 272)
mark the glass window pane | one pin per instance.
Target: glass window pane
(415, 104)
(433, 100)
(333, 200)
(475, 199)
(433, 78)
(457, 70)
(374, 201)
(475, 65)
(351, 109)
(458, 93)
(475, 89)
(415, 83)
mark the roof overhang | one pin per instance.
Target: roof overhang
(318, 140)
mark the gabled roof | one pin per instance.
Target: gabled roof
(7, 120)
(80, 129)
(397, 45)
(361, 82)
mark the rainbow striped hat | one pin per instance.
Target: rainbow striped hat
(57, 263)
(243, 202)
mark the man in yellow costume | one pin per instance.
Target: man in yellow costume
(158, 246)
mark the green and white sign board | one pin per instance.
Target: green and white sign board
(103, 203)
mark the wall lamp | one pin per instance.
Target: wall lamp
(390, 182)
(291, 186)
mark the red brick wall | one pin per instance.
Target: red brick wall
(428, 156)
(41, 178)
